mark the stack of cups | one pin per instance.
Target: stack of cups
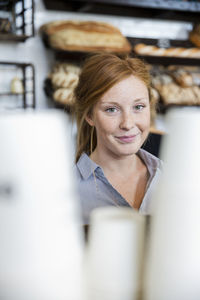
(115, 254)
(173, 268)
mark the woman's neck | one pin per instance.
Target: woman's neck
(111, 163)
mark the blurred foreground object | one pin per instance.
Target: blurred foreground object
(115, 254)
(173, 264)
(40, 236)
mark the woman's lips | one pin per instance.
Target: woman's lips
(126, 139)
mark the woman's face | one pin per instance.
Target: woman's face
(122, 118)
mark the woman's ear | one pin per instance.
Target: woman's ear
(89, 120)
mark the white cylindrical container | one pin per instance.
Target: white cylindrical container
(115, 253)
(173, 266)
(40, 236)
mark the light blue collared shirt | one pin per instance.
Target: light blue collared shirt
(96, 191)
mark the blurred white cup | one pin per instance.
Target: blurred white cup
(40, 236)
(173, 264)
(114, 254)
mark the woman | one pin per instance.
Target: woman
(113, 114)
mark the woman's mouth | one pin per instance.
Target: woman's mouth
(126, 138)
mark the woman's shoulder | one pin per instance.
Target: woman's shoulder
(150, 160)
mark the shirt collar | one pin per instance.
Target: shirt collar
(152, 162)
(86, 166)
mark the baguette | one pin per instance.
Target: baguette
(143, 49)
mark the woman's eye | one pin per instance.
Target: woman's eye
(139, 107)
(111, 109)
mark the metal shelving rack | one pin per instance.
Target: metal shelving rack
(27, 97)
(21, 17)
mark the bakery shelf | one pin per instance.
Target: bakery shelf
(159, 42)
(61, 55)
(156, 4)
(9, 94)
(20, 15)
(159, 9)
(72, 55)
(158, 61)
(25, 73)
(3, 3)
(166, 60)
(162, 60)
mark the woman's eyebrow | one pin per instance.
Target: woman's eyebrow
(141, 99)
(119, 103)
(111, 103)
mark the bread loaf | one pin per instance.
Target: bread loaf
(85, 36)
(160, 80)
(17, 86)
(176, 85)
(63, 96)
(194, 35)
(183, 78)
(66, 68)
(64, 80)
(143, 49)
(174, 94)
(5, 25)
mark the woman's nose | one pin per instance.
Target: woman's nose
(127, 121)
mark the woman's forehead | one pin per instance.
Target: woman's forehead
(131, 85)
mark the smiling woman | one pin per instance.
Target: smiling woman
(113, 114)
(121, 118)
